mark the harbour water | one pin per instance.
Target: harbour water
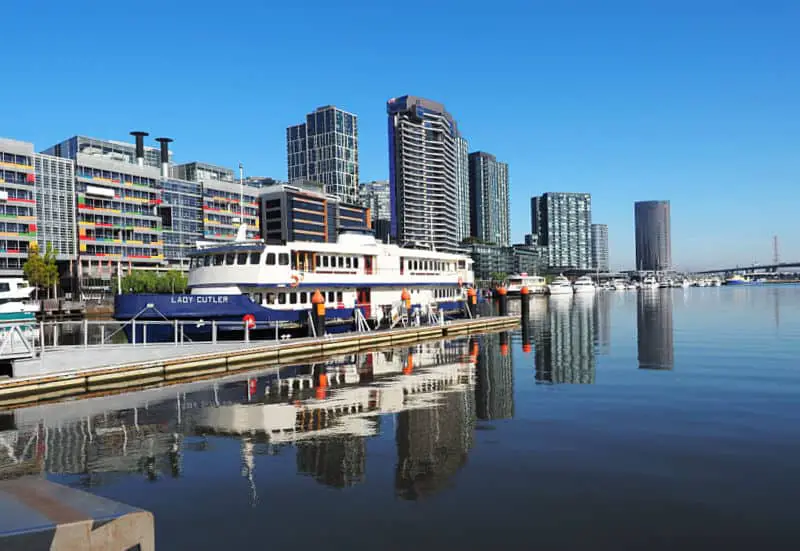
(653, 420)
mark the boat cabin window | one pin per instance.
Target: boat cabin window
(256, 297)
(281, 298)
(5, 287)
(283, 259)
(331, 297)
(324, 261)
(339, 296)
(355, 263)
(461, 264)
(347, 262)
(255, 258)
(341, 262)
(302, 297)
(292, 298)
(270, 259)
(206, 260)
(219, 259)
(241, 259)
(270, 298)
(229, 259)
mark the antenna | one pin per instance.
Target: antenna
(776, 257)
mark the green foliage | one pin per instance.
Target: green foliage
(499, 276)
(144, 281)
(41, 271)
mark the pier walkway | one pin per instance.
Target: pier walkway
(60, 372)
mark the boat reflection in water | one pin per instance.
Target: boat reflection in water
(654, 330)
(325, 412)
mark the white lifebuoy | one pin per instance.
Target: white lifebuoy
(296, 279)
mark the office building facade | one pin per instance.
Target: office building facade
(375, 197)
(324, 149)
(653, 242)
(297, 213)
(488, 196)
(56, 206)
(18, 227)
(562, 225)
(462, 189)
(423, 173)
(600, 247)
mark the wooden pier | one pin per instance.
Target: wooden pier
(72, 371)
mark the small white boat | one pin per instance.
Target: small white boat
(665, 284)
(15, 296)
(716, 282)
(685, 283)
(560, 286)
(649, 283)
(584, 285)
(536, 285)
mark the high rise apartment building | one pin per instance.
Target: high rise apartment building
(18, 227)
(562, 224)
(600, 247)
(56, 202)
(462, 189)
(324, 149)
(488, 191)
(423, 174)
(653, 244)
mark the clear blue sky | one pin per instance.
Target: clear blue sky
(691, 101)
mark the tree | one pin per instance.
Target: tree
(499, 276)
(143, 281)
(34, 268)
(50, 269)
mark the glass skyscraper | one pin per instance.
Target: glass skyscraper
(653, 244)
(324, 149)
(462, 188)
(423, 174)
(488, 188)
(562, 224)
(600, 247)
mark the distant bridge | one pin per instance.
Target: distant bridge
(755, 268)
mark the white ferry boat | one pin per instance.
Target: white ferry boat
(253, 283)
(560, 286)
(650, 282)
(535, 284)
(583, 285)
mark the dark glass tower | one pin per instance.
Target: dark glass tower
(653, 245)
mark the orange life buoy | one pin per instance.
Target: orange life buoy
(295, 280)
(249, 320)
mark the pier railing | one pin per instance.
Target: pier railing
(51, 335)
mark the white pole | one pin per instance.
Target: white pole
(241, 194)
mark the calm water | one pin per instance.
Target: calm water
(660, 420)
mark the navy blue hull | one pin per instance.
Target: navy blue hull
(228, 313)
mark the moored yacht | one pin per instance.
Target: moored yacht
(257, 284)
(560, 286)
(649, 282)
(536, 285)
(15, 297)
(583, 285)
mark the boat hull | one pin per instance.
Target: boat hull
(559, 290)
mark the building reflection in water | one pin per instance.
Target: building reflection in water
(494, 378)
(564, 345)
(324, 412)
(602, 322)
(654, 329)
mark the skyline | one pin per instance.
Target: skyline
(629, 103)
